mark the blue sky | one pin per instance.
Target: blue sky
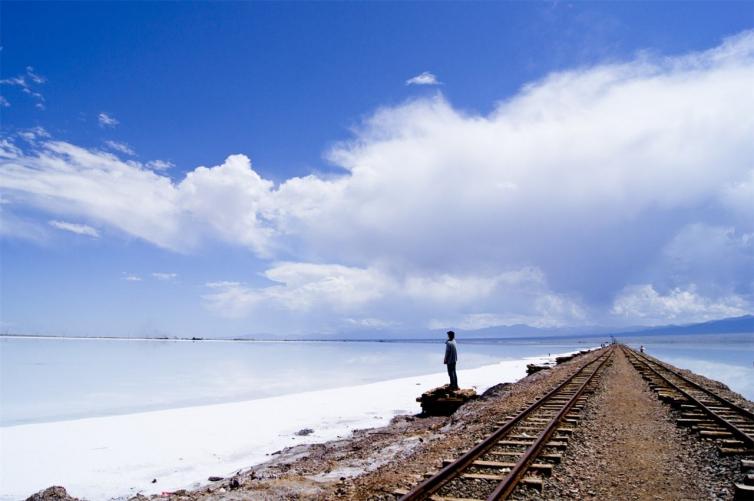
(562, 164)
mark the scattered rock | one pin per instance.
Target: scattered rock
(215, 479)
(54, 493)
(563, 359)
(443, 401)
(304, 432)
(532, 368)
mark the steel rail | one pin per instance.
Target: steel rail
(449, 472)
(735, 406)
(507, 486)
(716, 417)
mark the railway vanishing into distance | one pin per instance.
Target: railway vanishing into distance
(517, 457)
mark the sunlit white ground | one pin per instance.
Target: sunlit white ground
(118, 456)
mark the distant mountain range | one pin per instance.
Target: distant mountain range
(735, 325)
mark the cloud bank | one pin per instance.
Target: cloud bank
(618, 193)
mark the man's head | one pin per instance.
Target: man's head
(451, 335)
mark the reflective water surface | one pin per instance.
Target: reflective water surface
(52, 379)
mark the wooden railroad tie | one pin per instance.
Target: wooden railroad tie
(712, 431)
(553, 444)
(544, 468)
(735, 451)
(535, 482)
(555, 458)
(403, 492)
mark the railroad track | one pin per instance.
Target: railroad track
(524, 448)
(703, 410)
(709, 414)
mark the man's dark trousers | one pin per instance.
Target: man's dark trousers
(452, 374)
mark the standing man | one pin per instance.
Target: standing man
(451, 356)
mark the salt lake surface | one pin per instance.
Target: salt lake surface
(54, 379)
(105, 417)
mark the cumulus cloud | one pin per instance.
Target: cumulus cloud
(128, 277)
(644, 303)
(302, 287)
(543, 211)
(341, 295)
(78, 229)
(107, 120)
(425, 78)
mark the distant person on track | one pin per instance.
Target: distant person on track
(641, 348)
(451, 357)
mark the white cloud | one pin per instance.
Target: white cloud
(358, 296)
(643, 303)
(159, 165)
(33, 134)
(229, 201)
(34, 77)
(425, 78)
(230, 299)
(27, 83)
(78, 229)
(9, 150)
(165, 277)
(302, 287)
(67, 180)
(371, 323)
(579, 184)
(120, 147)
(107, 120)
(131, 278)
